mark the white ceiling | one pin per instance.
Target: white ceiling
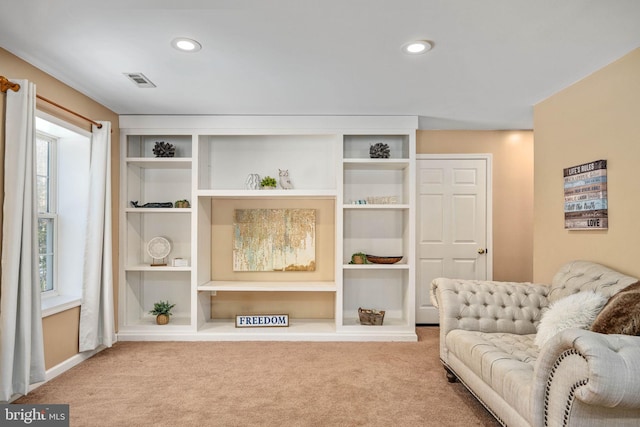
(492, 60)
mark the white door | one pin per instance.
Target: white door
(453, 224)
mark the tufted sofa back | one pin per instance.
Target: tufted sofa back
(576, 276)
(489, 306)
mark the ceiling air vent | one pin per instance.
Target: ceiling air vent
(140, 79)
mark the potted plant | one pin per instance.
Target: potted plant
(358, 258)
(184, 203)
(268, 182)
(162, 310)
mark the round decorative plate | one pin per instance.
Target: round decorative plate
(158, 247)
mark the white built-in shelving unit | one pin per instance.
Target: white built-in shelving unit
(328, 158)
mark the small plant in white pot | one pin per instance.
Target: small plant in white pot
(268, 182)
(162, 311)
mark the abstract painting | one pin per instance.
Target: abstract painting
(274, 240)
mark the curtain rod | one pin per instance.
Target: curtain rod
(5, 85)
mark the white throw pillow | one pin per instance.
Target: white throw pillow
(574, 311)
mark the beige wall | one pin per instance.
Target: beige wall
(61, 336)
(61, 330)
(512, 153)
(310, 305)
(596, 118)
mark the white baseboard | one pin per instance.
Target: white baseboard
(63, 367)
(70, 363)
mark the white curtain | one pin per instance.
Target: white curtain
(97, 326)
(21, 343)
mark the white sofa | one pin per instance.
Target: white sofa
(577, 378)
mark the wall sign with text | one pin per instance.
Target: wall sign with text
(262, 320)
(585, 196)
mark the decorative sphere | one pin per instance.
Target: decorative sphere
(379, 151)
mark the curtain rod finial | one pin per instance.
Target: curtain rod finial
(5, 85)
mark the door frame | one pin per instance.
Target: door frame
(488, 158)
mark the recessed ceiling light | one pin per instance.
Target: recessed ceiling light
(186, 45)
(417, 47)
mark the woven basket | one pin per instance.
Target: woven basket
(370, 317)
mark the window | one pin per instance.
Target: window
(47, 219)
(62, 185)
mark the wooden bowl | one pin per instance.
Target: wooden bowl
(383, 259)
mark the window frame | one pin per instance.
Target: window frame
(69, 289)
(52, 204)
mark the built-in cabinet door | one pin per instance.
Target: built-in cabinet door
(452, 225)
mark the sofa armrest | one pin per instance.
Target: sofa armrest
(578, 371)
(486, 306)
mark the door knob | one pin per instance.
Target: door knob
(481, 251)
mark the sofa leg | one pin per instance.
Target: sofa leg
(451, 377)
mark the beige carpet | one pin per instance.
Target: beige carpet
(264, 384)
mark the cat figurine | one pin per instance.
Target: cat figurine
(285, 182)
